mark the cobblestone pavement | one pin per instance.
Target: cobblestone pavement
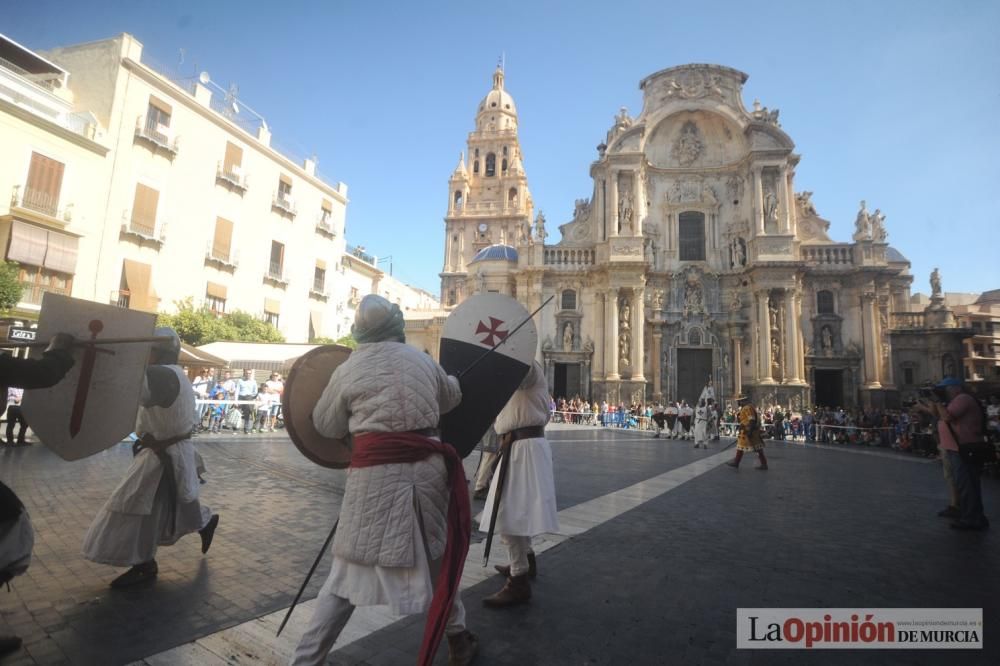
(658, 584)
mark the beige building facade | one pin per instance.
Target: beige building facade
(693, 257)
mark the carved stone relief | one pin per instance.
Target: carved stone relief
(688, 146)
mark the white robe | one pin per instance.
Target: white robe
(528, 501)
(700, 425)
(134, 521)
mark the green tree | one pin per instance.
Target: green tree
(199, 326)
(347, 341)
(10, 285)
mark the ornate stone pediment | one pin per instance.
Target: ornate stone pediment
(580, 229)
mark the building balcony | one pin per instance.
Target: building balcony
(569, 258)
(220, 257)
(319, 292)
(275, 275)
(284, 204)
(141, 230)
(908, 320)
(30, 200)
(121, 298)
(359, 253)
(157, 137)
(324, 226)
(233, 178)
(837, 254)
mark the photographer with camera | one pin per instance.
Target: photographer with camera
(959, 421)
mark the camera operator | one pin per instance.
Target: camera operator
(959, 419)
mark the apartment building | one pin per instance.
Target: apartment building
(981, 359)
(52, 158)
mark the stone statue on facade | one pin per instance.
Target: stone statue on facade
(862, 223)
(547, 344)
(694, 300)
(688, 146)
(588, 346)
(738, 252)
(624, 316)
(826, 336)
(805, 204)
(658, 299)
(770, 208)
(878, 226)
(623, 349)
(540, 226)
(772, 311)
(481, 280)
(568, 337)
(935, 283)
(625, 212)
(775, 355)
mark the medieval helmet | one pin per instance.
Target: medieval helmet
(168, 350)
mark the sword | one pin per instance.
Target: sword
(312, 570)
(504, 464)
(86, 372)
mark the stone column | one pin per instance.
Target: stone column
(657, 361)
(793, 372)
(764, 341)
(871, 342)
(758, 203)
(737, 340)
(611, 333)
(613, 205)
(585, 380)
(600, 334)
(639, 333)
(800, 338)
(785, 219)
(786, 177)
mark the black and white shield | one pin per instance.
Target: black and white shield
(488, 379)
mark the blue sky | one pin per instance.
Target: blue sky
(892, 102)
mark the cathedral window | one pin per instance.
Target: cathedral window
(569, 300)
(512, 196)
(475, 167)
(451, 297)
(824, 302)
(503, 165)
(477, 153)
(504, 151)
(691, 228)
(491, 165)
(458, 200)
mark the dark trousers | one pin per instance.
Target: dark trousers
(15, 416)
(970, 493)
(248, 412)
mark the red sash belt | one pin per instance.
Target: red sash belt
(386, 448)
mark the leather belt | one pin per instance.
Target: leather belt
(527, 432)
(426, 432)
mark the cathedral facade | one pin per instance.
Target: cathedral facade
(693, 258)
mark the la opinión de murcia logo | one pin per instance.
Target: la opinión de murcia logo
(891, 628)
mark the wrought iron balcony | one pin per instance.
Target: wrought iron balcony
(284, 204)
(159, 137)
(233, 177)
(359, 253)
(39, 201)
(143, 230)
(223, 257)
(324, 225)
(275, 275)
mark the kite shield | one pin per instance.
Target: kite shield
(305, 384)
(470, 331)
(95, 405)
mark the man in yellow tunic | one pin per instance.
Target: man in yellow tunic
(749, 437)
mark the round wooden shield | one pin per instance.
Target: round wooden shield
(305, 384)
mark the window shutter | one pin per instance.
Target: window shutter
(222, 244)
(327, 205)
(234, 157)
(216, 290)
(44, 180)
(162, 106)
(144, 206)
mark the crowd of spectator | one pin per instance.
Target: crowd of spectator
(228, 404)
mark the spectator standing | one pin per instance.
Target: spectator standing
(246, 393)
(14, 417)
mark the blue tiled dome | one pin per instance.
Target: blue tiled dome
(894, 255)
(496, 253)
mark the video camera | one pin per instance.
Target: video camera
(930, 392)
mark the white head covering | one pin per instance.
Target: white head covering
(377, 320)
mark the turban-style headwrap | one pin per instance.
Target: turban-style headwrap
(378, 320)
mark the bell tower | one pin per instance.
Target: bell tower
(488, 198)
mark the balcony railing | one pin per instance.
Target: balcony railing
(908, 320)
(32, 293)
(160, 136)
(360, 253)
(143, 229)
(568, 257)
(829, 255)
(233, 176)
(318, 290)
(40, 201)
(284, 203)
(223, 256)
(324, 225)
(121, 298)
(276, 275)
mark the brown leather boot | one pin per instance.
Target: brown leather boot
(515, 591)
(462, 648)
(532, 568)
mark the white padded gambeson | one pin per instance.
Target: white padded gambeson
(389, 387)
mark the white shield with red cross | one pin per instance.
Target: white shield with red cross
(488, 379)
(95, 405)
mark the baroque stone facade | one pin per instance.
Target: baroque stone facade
(694, 257)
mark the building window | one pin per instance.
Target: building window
(271, 318)
(158, 119)
(143, 220)
(41, 191)
(504, 151)
(503, 165)
(569, 300)
(276, 266)
(908, 376)
(512, 196)
(691, 229)
(824, 302)
(319, 279)
(458, 201)
(491, 165)
(475, 167)
(452, 297)
(222, 241)
(36, 280)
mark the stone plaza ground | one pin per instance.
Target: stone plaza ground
(659, 545)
